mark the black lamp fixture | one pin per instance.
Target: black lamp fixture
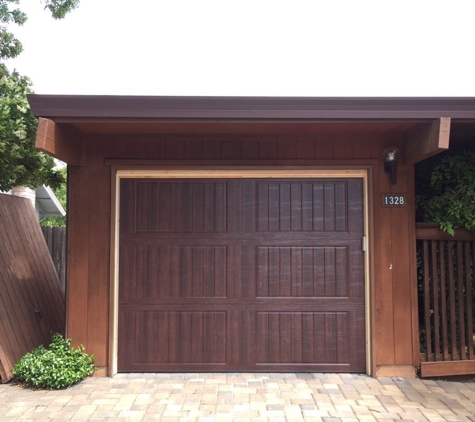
(390, 157)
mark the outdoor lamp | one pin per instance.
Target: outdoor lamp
(390, 156)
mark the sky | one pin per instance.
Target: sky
(252, 48)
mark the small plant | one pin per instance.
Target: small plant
(59, 366)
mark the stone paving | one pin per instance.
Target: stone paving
(243, 397)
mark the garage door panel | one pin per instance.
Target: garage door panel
(303, 206)
(294, 271)
(175, 337)
(182, 271)
(179, 206)
(233, 275)
(303, 337)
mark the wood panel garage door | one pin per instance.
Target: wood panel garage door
(241, 275)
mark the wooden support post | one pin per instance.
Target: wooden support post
(61, 143)
(423, 142)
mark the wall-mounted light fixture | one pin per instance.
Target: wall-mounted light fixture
(390, 157)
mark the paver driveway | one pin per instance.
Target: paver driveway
(243, 397)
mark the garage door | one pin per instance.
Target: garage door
(241, 275)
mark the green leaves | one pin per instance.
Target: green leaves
(60, 8)
(60, 366)
(20, 163)
(446, 191)
(10, 47)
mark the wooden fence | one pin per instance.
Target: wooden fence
(55, 238)
(446, 295)
(31, 301)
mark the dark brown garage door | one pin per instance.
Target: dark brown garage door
(241, 275)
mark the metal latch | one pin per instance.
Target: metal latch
(363, 244)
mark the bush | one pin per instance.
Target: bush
(445, 190)
(59, 366)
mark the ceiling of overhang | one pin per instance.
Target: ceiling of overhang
(100, 127)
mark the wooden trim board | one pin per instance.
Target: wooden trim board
(239, 173)
(439, 369)
(228, 173)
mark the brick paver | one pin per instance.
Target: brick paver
(243, 398)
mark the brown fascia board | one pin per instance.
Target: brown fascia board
(101, 108)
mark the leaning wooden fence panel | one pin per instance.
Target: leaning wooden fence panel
(31, 301)
(447, 290)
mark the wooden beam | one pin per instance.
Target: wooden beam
(61, 143)
(431, 231)
(440, 369)
(423, 142)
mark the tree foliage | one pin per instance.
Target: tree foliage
(10, 46)
(445, 190)
(20, 163)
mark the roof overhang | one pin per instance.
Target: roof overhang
(424, 123)
(58, 107)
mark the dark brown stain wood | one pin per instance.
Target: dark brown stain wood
(252, 132)
(426, 141)
(251, 108)
(79, 232)
(323, 153)
(448, 290)
(31, 298)
(383, 291)
(250, 274)
(441, 369)
(61, 142)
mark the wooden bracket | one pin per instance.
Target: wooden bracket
(423, 142)
(62, 143)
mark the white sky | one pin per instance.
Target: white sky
(256, 48)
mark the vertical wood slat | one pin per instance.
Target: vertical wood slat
(453, 330)
(460, 301)
(435, 299)
(55, 238)
(469, 301)
(427, 315)
(443, 304)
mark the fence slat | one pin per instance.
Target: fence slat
(443, 302)
(460, 301)
(427, 299)
(453, 327)
(435, 299)
(55, 238)
(469, 301)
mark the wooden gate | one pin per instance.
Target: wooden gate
(446, 295)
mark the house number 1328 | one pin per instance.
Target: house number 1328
(394, 200)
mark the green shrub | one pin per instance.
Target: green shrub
(59, 366)
(445, 190)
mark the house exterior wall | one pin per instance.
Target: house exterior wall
(394, 346)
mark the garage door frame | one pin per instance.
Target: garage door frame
(228, 173)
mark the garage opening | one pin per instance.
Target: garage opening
(245, 274)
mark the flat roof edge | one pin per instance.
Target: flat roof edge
(250, 108)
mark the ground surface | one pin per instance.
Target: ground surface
(243, 397)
